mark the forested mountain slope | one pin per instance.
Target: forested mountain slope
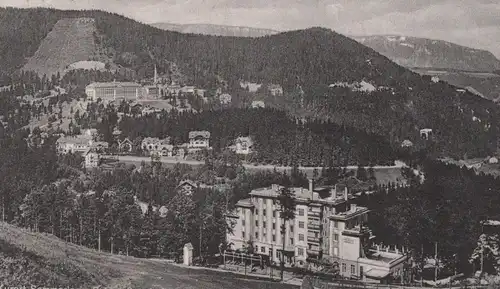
(304, 63)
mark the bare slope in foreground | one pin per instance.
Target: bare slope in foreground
(37, 259)
(71, 40)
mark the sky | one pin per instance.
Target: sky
(473, 23)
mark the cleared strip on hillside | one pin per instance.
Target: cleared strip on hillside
(71, 40)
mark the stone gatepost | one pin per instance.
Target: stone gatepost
(188, 254)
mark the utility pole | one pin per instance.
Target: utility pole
(201, 226)
(282, 261)
(271, 255)
(436, 263)
(422, 267)
(482, 258)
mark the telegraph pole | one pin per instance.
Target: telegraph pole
(422, 268)
(436, 263)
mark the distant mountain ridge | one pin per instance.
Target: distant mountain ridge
(216, 30)
(430, 53)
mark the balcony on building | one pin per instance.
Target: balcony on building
(312, 239)
(313, 253)
(313, 226)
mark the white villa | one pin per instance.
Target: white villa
(157, 146)
(243, 145)
(199, 140)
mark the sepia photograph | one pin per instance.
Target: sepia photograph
(249, 144)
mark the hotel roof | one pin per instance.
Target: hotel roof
(244, 203)
(388, 258)
(301, 194)
(81, 139)
(112, 84)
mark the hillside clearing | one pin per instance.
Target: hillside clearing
(71, 40)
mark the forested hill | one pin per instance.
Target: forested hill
(303, 62)
(312, 56)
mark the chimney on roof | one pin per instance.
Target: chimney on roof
(346, 196)
(353, 207)
(311, 185)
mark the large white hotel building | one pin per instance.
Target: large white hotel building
(328, 225)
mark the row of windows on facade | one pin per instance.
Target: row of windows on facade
(301, 236)
(264, 236)
(264, 212)
(300, 251)
(353, 269)
(300, 211)
(301, 224)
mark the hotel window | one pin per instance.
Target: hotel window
(291, 241)
(256, 223)
(336, 237)
(263, 249)
(256, 235)
(264, 236)
(344, 267)
(274, 214)
(291, 229)
(301, 212)
(264, 212)
(274, 226)
(274, 238)
(256, 248)
(301, 225)
(256, 211)
(353, 270)
(264, 224)
(243, 235)
(300, 252)
(301, 237)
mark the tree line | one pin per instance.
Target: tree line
(279, 139)
(447, 208)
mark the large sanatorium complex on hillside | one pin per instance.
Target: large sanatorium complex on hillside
(328, 225)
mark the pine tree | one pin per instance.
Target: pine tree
(286, 200)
